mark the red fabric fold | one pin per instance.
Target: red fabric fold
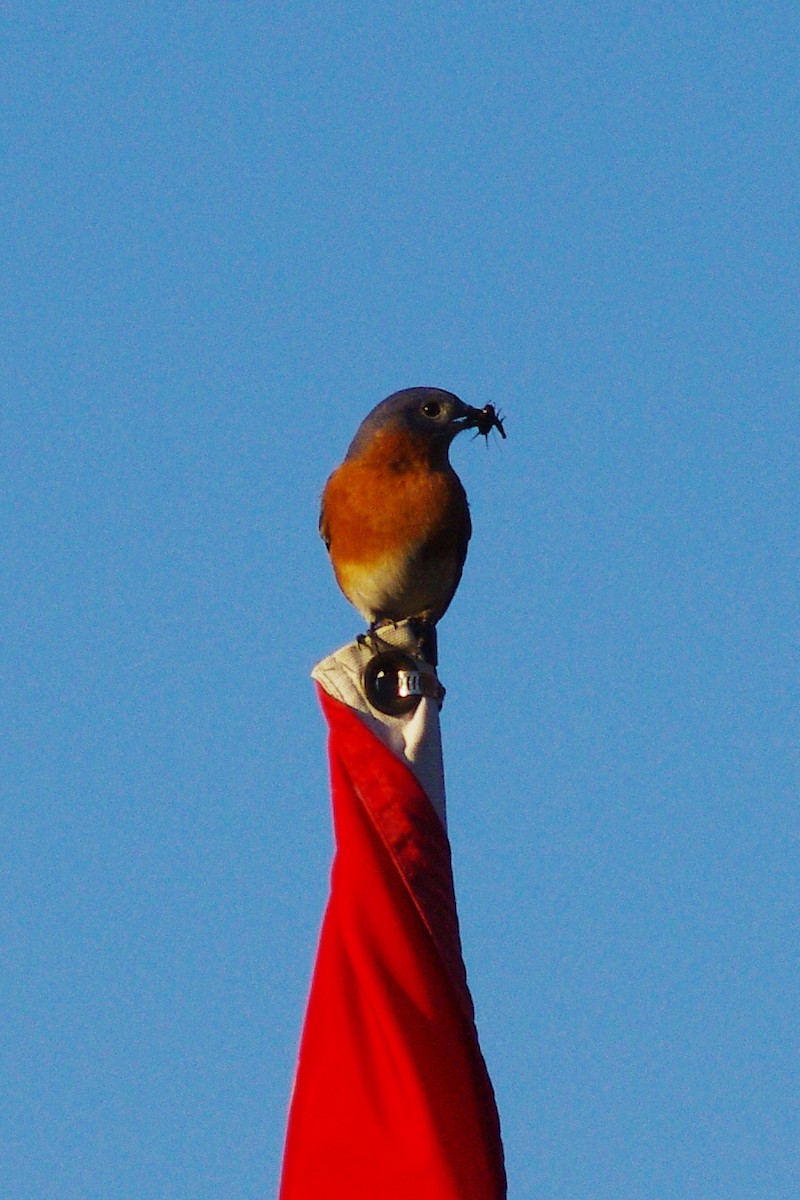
(392, 1100)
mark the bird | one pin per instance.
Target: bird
(394, 515)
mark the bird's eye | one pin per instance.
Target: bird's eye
(432, 409)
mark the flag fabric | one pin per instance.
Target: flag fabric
(392, 1099)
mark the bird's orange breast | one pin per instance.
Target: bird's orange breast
(389, 499)
(397, 528)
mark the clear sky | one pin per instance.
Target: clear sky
(228, 231)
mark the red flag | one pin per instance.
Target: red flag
(392, 1100)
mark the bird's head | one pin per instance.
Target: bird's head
(429, 415)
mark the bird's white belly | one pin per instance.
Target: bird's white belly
(396, 588)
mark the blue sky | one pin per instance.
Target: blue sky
(229, 231)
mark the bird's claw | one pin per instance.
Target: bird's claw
(423, 633)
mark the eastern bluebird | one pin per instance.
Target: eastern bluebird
(394, 515)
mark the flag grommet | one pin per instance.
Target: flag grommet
(394, 684)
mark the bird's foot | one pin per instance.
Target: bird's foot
(423, 642)
(372, 639)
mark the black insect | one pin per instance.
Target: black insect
(489, 419)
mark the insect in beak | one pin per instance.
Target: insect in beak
(488, 418)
